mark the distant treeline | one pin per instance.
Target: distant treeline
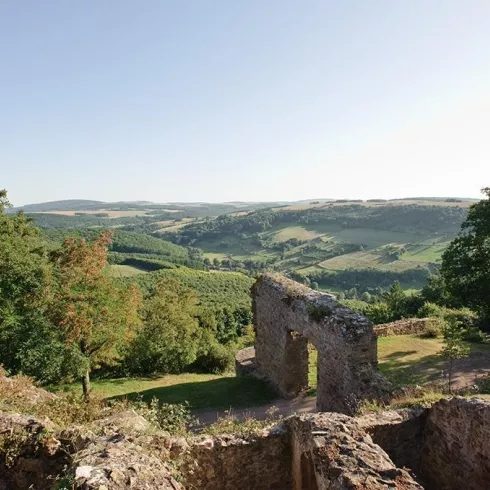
(363, 280)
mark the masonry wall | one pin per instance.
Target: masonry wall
(231, 463)
(456, 453)
(286, 316)
(410, 326)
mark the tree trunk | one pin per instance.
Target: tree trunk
(86, 385)
(450, 376)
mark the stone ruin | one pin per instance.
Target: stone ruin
(288, 316)
(445, 447)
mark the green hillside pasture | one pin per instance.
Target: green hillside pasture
(366, 260)
(299, 232)
(373, 238)
(425, 253)
(124, 271)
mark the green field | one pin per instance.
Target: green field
(365, 260)
(124, 271)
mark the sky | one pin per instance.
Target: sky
(250, 100)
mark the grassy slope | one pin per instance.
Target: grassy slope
(403, 359)
(202, 391)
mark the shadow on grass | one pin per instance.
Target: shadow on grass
(221, 393)
(402, 372)
(398, 354)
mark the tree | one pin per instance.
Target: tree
(454, 347)
(466, 262)
(378, 313)
(366, 297)
(25, 285)
(95, 315)
(169, 339)
(395, 299)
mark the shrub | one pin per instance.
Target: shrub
(216, 359)
(474, 334)
(172, 417)
(483, 385)
(434, 329)
(378, 313)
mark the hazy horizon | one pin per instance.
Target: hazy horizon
(244, 101)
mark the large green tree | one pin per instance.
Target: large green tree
(169, 339)
(466, 262)
(95, 315)
(26, 337)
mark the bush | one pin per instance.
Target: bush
(483, 385)
(217, 359)
(378, 313)
(435, 328)
(474, 334)
(172, 417)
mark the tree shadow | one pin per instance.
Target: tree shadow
(398, 354)
(401, 371)
(221, 393)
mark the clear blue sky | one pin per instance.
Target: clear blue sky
(222, 100)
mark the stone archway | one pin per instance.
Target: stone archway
(286, 316)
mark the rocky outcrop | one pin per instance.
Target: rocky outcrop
(287, 316)
(29, 454)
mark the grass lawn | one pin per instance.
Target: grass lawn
(408, 359)
(202, 391)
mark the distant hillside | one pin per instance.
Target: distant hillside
(66, 205)
(339, 245)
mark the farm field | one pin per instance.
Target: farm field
(124, 271)
(363, 260)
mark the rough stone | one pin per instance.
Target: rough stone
(456, 453)
(410, 326)
(260, 462)
(331, 451)
(245, 364)
(29, 454)
(401, 433)
(287, 316)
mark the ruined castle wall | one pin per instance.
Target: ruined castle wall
(286, 316)
(401, 433)
(456, 453)
(331, 451)
(231, 463)
(410, 326)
